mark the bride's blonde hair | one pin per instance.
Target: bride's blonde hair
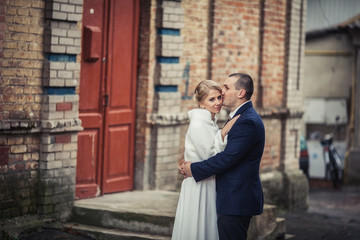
(203, 88)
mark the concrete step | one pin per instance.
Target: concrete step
(146, 214)
(280, 230)
(289, 236)
(98, 233)
(267, 226)
(128, 221)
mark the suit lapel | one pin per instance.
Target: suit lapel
(244, 108)
(240, 111)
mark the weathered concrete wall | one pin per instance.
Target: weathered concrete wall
(328, 62)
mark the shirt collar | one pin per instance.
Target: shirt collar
(232, 114)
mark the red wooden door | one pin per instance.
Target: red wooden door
(107, 97)
(121, 79)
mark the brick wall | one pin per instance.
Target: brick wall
(144, 94)
(261, 38)
(230, 30)
(236, 42)
(166, 117)
(296, 53)
(60, 108)
(272, 78)
(197, 40)
(159, 78)
(272, 151)
(40, 41)
(293, 87)
(181, 43)
(273, 57)
(21, 62)
(19, 159)
(219, 38)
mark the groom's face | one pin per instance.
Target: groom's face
(230, 94)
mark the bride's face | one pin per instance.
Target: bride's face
(212, 102)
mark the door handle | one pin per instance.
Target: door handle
(106, 103)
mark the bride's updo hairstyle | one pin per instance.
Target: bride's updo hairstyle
(203, 89)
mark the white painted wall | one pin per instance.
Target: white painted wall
(328, 75)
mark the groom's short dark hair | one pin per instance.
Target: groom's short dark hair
(244, 81)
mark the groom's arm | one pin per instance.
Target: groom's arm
(241, 139)
(221, 139)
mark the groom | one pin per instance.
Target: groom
(238, 185)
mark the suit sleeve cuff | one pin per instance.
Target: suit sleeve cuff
(193, 171)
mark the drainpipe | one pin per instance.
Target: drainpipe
(352, 162)
(259, 99)
(211, 14)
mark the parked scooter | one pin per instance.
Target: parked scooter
(333, 163)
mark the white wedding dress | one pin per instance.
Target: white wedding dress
(196, 217)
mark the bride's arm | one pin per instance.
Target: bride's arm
(228, 126)
(221, 135)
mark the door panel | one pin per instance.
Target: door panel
(86, 182)
(120, 114)
(118, 171)
(107, 97)
(91, 71)
(119, 141)
(89, 159)
(122, 42)
(120, 117)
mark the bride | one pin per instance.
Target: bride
(196, 217)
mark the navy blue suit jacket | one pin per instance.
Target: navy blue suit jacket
(238, 185)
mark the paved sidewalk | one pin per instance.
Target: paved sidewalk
(333, 214)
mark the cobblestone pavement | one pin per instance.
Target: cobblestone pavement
(333, 214)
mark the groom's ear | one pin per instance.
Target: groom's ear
(241, 93)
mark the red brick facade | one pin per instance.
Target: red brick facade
(245, 36)
(20, 104)
(180, 43)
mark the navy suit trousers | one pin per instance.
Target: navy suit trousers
(232, 227)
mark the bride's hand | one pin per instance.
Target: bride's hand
(228, 126)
